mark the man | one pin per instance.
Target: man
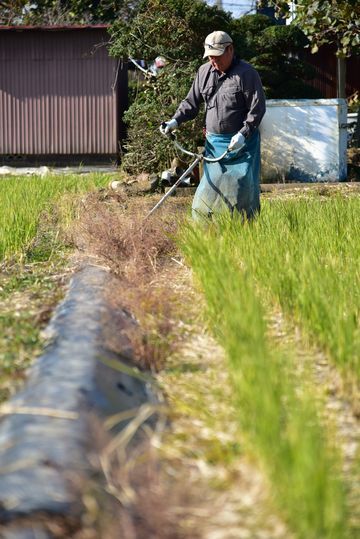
(234, 106)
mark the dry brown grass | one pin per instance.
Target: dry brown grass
(154, 309)
(154, 501)
(139, 498)
(113, 227)
(139, 252)
(150, 499)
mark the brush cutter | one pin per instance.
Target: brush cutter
(198, 157)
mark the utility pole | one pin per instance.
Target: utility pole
(341, 76)
(219, 4)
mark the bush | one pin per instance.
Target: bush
(282, 39)
(176, 30)
(146, 149)
(246, 32)
(275, 51)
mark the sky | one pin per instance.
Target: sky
(236, 7)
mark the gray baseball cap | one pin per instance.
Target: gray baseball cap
(216, 43)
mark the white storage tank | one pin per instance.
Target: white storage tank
(304, 140)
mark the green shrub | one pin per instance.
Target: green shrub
(282, 38)
(176, 30)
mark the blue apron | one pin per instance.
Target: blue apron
(233, 182)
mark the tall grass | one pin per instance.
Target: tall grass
(23, 199)
(307, 254)
(233, 263)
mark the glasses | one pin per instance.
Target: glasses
(216, 47)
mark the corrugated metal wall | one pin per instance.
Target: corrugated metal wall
(325, 81)
(57, 93)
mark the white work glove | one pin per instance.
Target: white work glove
(237, 142)
(168, 127)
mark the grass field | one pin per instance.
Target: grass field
(25, 199)
(33, 257)
(303, 256)
(299, 260)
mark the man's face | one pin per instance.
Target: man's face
(223, 62)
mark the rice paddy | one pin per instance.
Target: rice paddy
(298, 261)
(301, 255)
(24, 199)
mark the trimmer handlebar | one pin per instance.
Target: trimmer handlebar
(198, 157)
(172, 136)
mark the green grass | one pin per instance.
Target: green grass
(301, 254)
(27, 298)
(304, 255)
(34, 213)
(19, 341)
(24, 199)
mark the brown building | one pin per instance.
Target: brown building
(325, 64)
(61, 96)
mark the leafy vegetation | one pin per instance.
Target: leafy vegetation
(23, 12)
(276, 52)
(176, 30)
(325, 22)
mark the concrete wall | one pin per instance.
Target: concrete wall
(304, 140)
